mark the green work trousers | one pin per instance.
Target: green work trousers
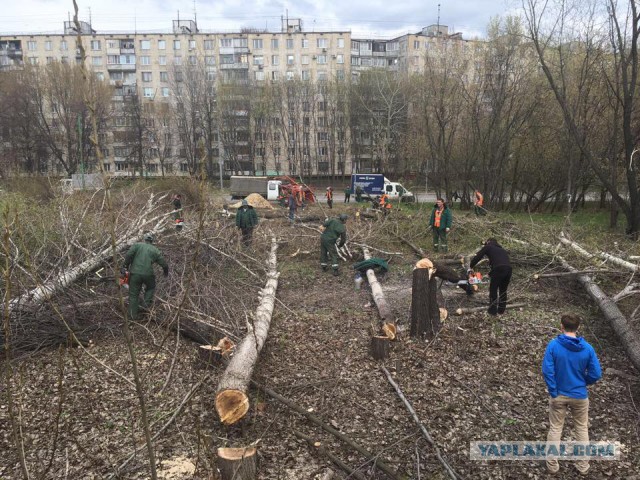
(440, 239)
(136, 281)
(328, 251)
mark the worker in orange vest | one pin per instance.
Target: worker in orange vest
(385, 204)
(329, 196)
(478, 203)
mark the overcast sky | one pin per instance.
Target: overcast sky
(384, 18)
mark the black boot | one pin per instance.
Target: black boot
(336, 272)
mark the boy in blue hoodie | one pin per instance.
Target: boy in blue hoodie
(569, 365)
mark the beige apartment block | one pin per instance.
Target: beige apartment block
(150, 64)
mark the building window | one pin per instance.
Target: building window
(113, 44)
(355, 60)
(306, 75)
(145, 60)
(211, 76)
(257, 44)
(63, 46)
(96, 61)
(341, 43)
(148, 92)
(260, 75)
(290, 59)
(145, 44)
(290, 75)
(192, 44)
(162, 44)
(192, 60)
(274, 76)
(162, 60)
(322, 151)
(304, 59)
(240, 42)
(339, 74)
(49, 60)
(208, 45)
(176, 44)
(47, 45)
(165, 91)
(275, 60)
(226, 42)
(164, 77)
(258, 60)
(227, 59)
(355, 45)
(289, 43)
(275, 44)
(184, 167)
(32, 46)
(322, 59)
(340, 58)
(177, 60)
(95, 44)
(33, 60)
(64, 60)
(210, 60)
(146, 77)
(305, 43)
(322, 76)
(416, 44)
(323, 43)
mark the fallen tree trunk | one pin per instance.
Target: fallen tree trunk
(463, 311)
(47, 290)
(376, 290)
(232, 402)
(603, 255)
(420, 425)
(612, 313)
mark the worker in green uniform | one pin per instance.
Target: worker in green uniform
(440, 223)
(334, 229)
(139, 261)
(246, 221)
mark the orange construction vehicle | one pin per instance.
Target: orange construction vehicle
(302, 193)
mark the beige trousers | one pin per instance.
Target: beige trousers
(558, 408)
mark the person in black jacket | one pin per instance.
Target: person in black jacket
(500, 274)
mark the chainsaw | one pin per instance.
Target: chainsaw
(475, 278)
(124, 278)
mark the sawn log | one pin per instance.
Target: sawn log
(376, 290)
(232, 402)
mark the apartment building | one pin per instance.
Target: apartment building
(149, 66)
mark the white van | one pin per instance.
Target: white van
(396, 191)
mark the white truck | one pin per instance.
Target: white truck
(243, 185)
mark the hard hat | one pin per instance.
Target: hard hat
(149, 237)
(343, 217)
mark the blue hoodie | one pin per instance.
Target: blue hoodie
(569, 365)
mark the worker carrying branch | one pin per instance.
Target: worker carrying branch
(334, 229)
(478, 203)
(139, 262)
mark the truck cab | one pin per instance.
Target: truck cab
(396, 191)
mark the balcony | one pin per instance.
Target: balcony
(127, 67)
(233, 66)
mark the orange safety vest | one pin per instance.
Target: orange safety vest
(479, 199)
(436, 222)
(329, 194)
(383, 199)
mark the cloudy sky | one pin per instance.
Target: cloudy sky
(382, 18)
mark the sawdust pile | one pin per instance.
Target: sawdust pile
(256, 201)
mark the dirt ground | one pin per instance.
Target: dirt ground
(479, 379)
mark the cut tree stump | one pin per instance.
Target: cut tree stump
(380, 347)
(425, 313)
(238, 463)
(232, 402)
